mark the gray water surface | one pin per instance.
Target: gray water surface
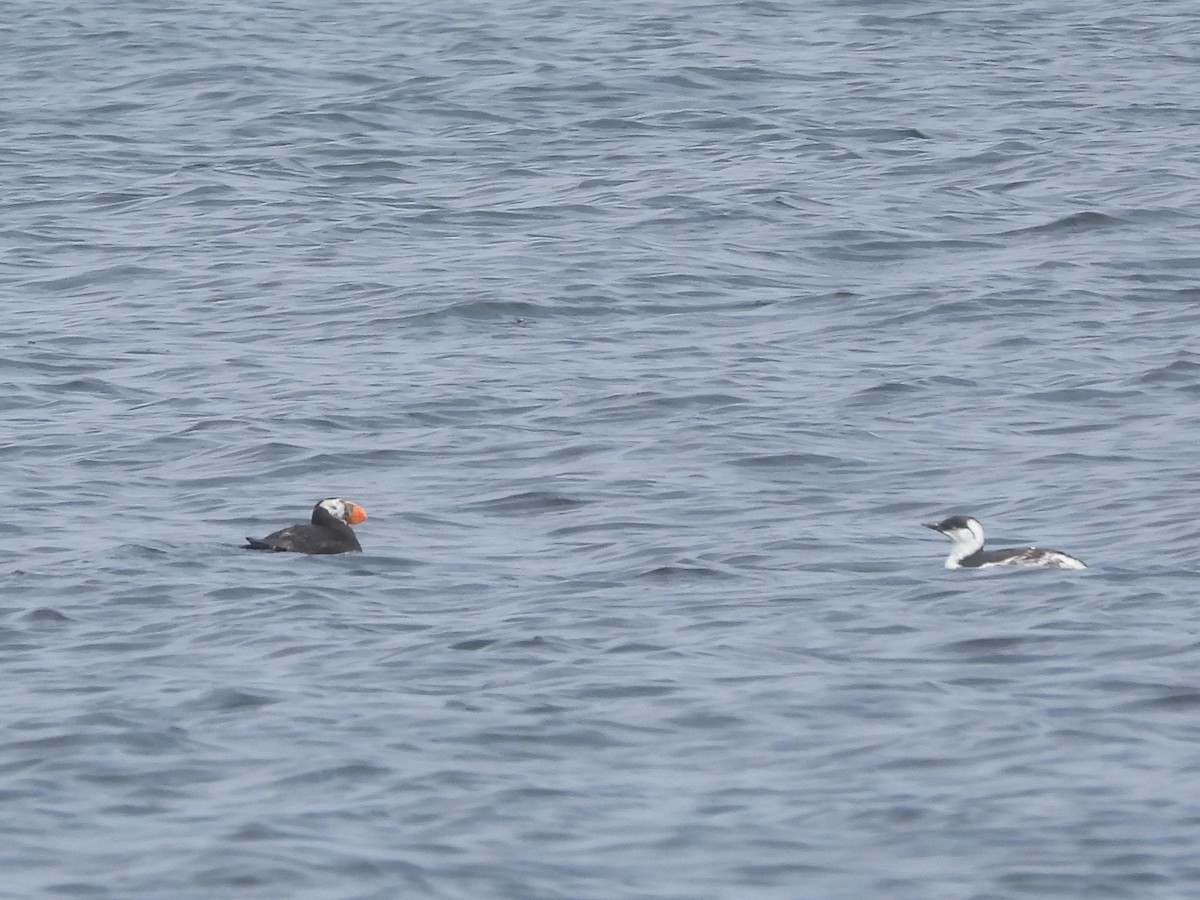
(647, 336)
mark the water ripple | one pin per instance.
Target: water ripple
(648, 336)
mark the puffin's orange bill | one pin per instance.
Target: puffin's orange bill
(357, 514)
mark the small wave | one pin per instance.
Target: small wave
(1082, 221)
(529, 501)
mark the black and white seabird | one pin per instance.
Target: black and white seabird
(329, 532)
(967, 553)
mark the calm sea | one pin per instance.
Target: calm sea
(648, 334)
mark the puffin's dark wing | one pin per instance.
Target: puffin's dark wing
(314, 539)
(260, 544)
(307, 539)
(283, 539)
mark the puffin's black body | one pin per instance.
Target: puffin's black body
(329, 531)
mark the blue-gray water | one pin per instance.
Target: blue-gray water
(648, 336)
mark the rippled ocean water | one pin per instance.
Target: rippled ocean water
(648, 336)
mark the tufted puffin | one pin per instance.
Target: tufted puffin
(330, 531)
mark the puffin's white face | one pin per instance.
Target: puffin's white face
(335, 506)
(345, 510)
